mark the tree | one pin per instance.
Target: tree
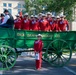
(36, 6)
(64, 6)
(57, 6)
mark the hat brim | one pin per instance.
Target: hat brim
(53, 17)
(17, 16)
(48, 14)
(43, 16)
(32, 16)
(58, 17)
(62, 17)
(39, 35)
(25, 15)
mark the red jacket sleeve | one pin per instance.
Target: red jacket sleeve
(67, 25)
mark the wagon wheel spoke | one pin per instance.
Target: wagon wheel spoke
(8, 57)
(61, 61)
(10, 63)
(64, 58)
(8, 53)
(1, 51)
(58, 61)
(11, 58)
(51, 46)
(61, 53)
(6, 65)
(52, 57)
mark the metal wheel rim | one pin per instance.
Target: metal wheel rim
(62, 59)
(8, 57)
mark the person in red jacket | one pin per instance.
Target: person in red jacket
(63, 24)
(53, 26)
(52, 23)
(26, 22)
(34, 24)
(17, 22)
(57, 22)
(38, 45)
(43, 23)
(39, 16)
(49, 16)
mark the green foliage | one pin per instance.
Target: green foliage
(62, 5)
(36, 6)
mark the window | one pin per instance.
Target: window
(23, 6)
(4, 5)
(19, 5)
(10, 11)
(19, 10)
(4, 9)
(9, 5)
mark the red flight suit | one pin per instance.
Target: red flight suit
(49, 19)
(63, 25)
(17, 23)
(56, 26)
(44, 25)
(26, 24)
(34, 25)
(38, 48)
(51, 25)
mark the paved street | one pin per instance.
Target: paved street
(26, 66)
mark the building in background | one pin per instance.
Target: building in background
(14, 6)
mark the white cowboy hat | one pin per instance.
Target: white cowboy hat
(39, 35)
(57, 16)
(17, 15)
(26, 14)
(62, 16)
(40, 14)
(53, 16)
(48, 13)
(32, 16)
(36, 16)
(43, 15)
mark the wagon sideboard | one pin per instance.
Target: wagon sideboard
(25, 39)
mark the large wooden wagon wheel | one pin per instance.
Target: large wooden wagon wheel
(7, 57)
(58, 53)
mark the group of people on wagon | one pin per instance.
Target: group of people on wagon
(40, 22)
